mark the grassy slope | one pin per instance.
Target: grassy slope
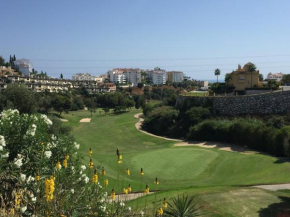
(189, 169)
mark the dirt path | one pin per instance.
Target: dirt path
(139, 124)
(274, 187)
(131, 196)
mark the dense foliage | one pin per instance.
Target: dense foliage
(248, 132)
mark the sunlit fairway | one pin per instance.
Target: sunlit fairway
(177, 168)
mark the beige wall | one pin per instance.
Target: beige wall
(241, 81)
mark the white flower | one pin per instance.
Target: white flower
(1, 148)
(129, 208)
(72, 191)
(22, 177)
(33, 199)
(29, 179)
(2, 141)
(47, 154)
(84, 175)
(103, 208)
(83, 167)
(77, 146)
(5, 155)
(122, 203)
(38, 190)
(86, 180)
(18, 163)
(23, 209)
(142, 213)
(46, 120)
(81, 172)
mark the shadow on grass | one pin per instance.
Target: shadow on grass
(282, 160)
(281, 209)
(119, 113)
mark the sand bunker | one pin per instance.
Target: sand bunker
(218, 145)
(85, 120)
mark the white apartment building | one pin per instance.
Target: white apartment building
(277, 76)
(24, 66)
(123, 75)
(117, 76)
(157, 76)
(133, 76)
(175, 77)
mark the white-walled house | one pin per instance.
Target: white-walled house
(275, 76)
(86, 77)
(24, 66)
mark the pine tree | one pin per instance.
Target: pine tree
(14, 58)
(61, 76)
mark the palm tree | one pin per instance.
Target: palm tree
(252, 68)
(182, 207)
(217, 72)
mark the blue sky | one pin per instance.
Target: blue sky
(193, 36)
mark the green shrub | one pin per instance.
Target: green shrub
(252, 133)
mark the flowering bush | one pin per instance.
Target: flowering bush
(41, 174)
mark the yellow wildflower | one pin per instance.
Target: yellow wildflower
(146, 190)
(103, 171)
(141, 172)
(95, 177)
(156, 181)
(67, 157)
(49, 188)
(17, 200)
(64, 163)
(113, 195)
(106, 182)
(42, 143)
(129, 188)
(125, 191)
(90, 152)
(91, 164)
(58, 165)
(164, 203)
(12, 211)
(128, 172)
(119, 159)
(160, 211)
(37, 177)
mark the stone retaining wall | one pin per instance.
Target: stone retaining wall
(267, 103)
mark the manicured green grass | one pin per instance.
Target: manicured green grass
(225, 201)
(179, 169)
(175, 166)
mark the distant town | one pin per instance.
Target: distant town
(239, 81)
